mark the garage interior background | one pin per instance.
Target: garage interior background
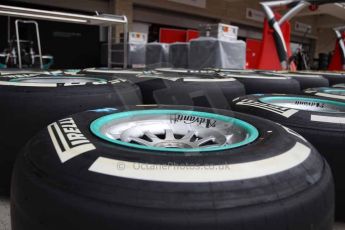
(79, 46)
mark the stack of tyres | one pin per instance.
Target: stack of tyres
(324, 61)
(32, 102)
(208, 52)
(320, 120)
(171, 167)
(157, 55)
(184, 87)
(178, 54)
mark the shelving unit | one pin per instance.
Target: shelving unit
(105, 20)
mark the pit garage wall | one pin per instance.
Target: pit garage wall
(325, 33)
(226, 11)
(230, 11)
(72, 45)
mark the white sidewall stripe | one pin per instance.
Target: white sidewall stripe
(112, 71)
(203, 174)
(171, 70)
(256, 77)
(27, 84)
(168, 70)
(208, 80)
(302, 75)
(326, 119)
(330, 95)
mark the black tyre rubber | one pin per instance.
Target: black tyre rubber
(327, 92)
(306, 81)
(261, 83)
(282, 182)
(333, 77)
(182, 87)
(30, 103)
(191, 89)
(316, 119)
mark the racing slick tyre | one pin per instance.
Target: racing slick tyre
(189, 89)
(181, 86)
(170, 167)
(320, 120)
(333, 77)
(306, 81)
(30, 103)
(327, 92)
(260, 83)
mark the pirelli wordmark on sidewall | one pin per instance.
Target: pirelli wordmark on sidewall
(285, 112)
(68, 140)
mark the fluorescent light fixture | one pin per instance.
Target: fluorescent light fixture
(47, 17)
(69, 15)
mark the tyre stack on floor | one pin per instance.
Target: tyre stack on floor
(306, 81)
(333, 77)
(318, 114)
(156, 167)
(182, 87)
(30, 102)
(260, 83)
(172, 166)
(276, 82)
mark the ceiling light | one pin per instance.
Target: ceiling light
(55, 18)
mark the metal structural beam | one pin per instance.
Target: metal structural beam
(108, 20)
(294, 6)
(339, 32)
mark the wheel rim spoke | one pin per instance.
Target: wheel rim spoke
(169, 135)
(141, 141)
(150, 135)
(189, 135)
(205, 140)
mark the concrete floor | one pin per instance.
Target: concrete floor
(5, 214)
(6, 225)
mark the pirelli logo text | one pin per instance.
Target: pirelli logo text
(67, 139)
(286, 112)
